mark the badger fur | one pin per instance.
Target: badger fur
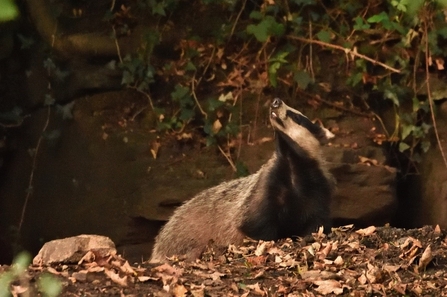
(289, 196)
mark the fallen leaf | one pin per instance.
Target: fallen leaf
(329, 286)
(256, 289)
(122, 281)
(368, 161)
(426, 258)
(367, 231)
(179, 291)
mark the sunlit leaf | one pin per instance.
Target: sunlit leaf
(406, 130)
(8, 10)
(403, 147)
(392, 96)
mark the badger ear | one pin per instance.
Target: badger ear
(325, 135)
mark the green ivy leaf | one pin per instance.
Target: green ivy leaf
(256, 15)
(378, 18)
(403, 147)
(324, 36)
(259, 31)
(425, 145)
(302, 78)
(179, 93)
(406, 130)
(214, 104)
(360, 24)
(392, 96)
(266, 28)
(186, 114)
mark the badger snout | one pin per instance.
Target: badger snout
(273, 108)
(276, 103)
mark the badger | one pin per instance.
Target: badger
(288, 197)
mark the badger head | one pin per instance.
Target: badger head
(296, 129)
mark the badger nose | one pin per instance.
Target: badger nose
(276, 103)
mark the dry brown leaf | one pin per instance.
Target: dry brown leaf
(400, 288)
(260, 249)
(145, 278)
(155, 146)
(368, 161)
(126, 268)
(339, 261)
(437, 230)
(88, 257)
(168, 269)
(391, 268)
(362, 279)
(198, 291)
(426, 258)
(329, 286)
(256, 289)
(53, 271)
(366, 231)
(179, 291)
(439, 63)
(122, 281)
(216, 126)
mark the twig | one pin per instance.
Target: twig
(346, 50)
(118, 50)
(145, 94)
(430, 99)
(367, 115)
(33, 169)
(311, 68)
(237, 19)
(228, 158)
(193, 92)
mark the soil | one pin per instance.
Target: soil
(382, 261)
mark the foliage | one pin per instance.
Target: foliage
(8, 10)
(48, 285)
(383, 45)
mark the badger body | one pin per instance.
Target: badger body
(289, 196)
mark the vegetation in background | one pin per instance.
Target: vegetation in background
(386, 50)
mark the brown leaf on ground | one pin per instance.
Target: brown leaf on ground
(386, 262)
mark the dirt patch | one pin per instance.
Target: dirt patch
(368, 262)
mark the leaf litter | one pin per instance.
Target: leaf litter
(375, 261)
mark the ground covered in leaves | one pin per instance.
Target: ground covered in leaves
(374, 261)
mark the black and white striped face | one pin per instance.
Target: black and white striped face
(296, 125)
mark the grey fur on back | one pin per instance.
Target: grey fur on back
(215, 213)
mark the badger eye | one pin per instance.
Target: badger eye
(297, 118)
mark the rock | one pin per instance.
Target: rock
(432, 206)
(72, 249)
(365, 195)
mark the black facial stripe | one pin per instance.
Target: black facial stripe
(281, 123)
(305, 122)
